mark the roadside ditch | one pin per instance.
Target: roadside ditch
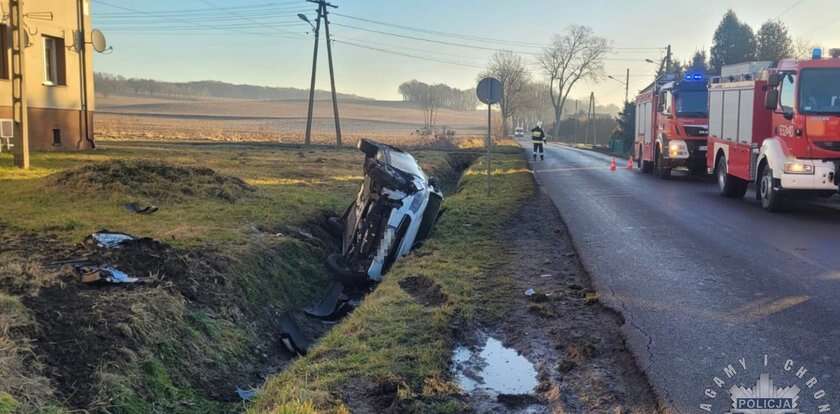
(197, 333)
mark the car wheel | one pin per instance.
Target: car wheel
(370, 149)
(771, 199)
(335, 226)
(729, 186)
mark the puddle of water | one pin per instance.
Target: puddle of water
(494, 368)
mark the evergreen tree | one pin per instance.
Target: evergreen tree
(734, 42)
(698, 61)
(625, 132)
(773, 42)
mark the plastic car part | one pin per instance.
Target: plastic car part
(291, 335)
(327, 306)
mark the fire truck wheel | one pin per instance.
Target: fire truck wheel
(730, 186)
(659, 166)
(771, 199)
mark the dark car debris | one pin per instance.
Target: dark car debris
(140, 209)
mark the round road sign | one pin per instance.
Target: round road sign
(489, 91)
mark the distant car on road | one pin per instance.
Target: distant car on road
(519, 133)
(396, 209)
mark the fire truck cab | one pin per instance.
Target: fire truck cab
(777, 127)
(672, 125)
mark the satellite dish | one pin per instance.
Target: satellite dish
(98, 40)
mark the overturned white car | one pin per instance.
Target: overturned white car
(396, 209)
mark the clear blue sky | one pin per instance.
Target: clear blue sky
(181, 41)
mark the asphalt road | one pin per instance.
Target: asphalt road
(705, 281)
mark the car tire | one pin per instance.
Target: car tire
(771, 199)
(370, 149)
(335, 226)
(729, 186)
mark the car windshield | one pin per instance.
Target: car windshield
(693, 104)
(403, 162)
(819, 91)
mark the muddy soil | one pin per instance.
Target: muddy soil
(574, 342)
(83, 328)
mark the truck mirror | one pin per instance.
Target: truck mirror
(771, 100)
(774, 79)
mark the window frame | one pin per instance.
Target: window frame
(780, 107)
(55, 74)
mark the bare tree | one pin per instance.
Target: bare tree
(803, 48)
(510, 70)
(533, 104)
(577, 54)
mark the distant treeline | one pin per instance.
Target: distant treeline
(438, 96)
(108, 84)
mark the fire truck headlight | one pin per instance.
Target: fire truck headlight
(678, 149)
(799, 168)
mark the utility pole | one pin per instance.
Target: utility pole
(668, 60)
(19, 107)
(627, 87)
(322, 14)
(308, 137)
(332, 73)
(590, 130)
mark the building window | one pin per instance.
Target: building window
(54, 66)
(56, 137)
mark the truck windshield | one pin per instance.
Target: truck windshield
(693, 104)
(819, 91)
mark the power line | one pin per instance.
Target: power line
(206, 10)
(408, 55)
(791, 7)
(480, 39)
(456, 44)
(192, 23)
(445, 34)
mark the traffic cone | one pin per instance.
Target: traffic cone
(612, 165)
(630, 163)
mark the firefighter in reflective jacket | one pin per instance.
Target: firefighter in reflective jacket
(538, 138)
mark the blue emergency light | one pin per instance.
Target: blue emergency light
(694, 76)
(817, 54)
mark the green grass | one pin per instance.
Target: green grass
(292, 186)
(181, 341)
(391, 339)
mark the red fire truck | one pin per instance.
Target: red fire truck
(777, 127)
(672, 125)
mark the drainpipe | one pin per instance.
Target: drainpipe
(84, 124)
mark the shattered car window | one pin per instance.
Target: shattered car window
(401, 161)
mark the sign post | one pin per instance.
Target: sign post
(489, 91)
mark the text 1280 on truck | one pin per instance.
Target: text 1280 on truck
(778, 127)
(672, 125)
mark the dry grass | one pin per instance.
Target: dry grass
(19, 371)
(125, 118)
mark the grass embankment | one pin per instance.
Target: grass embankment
(394, 352)
(183, 343)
